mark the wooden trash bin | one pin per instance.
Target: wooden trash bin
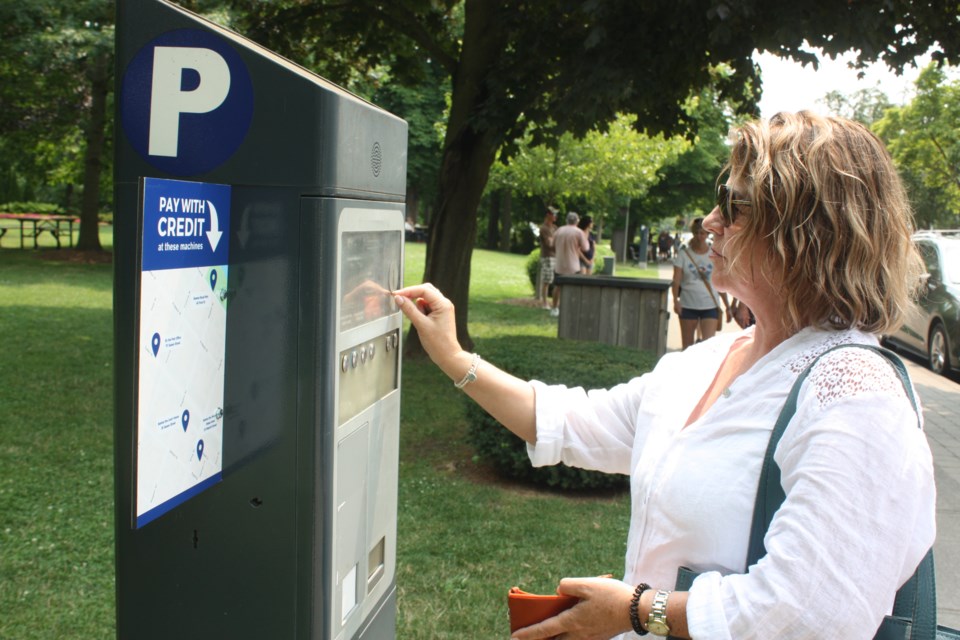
(627, 312)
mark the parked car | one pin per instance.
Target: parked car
(932, 329)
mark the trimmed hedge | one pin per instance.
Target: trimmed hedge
(589, 365)
(30, 207)
(533, 269)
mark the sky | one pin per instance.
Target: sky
(788, 86)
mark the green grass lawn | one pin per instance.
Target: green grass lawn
(464, 536)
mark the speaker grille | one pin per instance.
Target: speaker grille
(376, 160)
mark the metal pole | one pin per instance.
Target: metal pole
(626, 233)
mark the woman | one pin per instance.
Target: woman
(811, 232)
(694, 300)
(586, 260)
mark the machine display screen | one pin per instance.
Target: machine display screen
(369, 271)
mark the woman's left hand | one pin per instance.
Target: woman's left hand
(603, 612)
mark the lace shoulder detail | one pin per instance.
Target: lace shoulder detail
(847, 372)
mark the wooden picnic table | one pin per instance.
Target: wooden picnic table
(32, 225)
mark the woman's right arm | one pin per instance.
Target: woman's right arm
(508, 399)
(675, 287)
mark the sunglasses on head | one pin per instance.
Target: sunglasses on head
(725, 200)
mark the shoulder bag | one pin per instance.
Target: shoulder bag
(914, 614)
(709, 290)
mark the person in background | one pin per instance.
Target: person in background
(664, 245)
(694, 300)
(740, 313)
(857, 473)
(570, 243)
(547, 256)
(586, 261)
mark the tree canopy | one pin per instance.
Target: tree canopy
(619, 162)
(924, 139)
(515, 71)
(56, 63)
(566, 65)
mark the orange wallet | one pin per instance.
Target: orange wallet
(528, 608)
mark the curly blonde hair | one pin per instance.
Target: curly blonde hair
(829, 222)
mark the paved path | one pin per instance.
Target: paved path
(940, 397)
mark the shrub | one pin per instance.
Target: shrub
(590, 365)
(30, 207)
(533, 268)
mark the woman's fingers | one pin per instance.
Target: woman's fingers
(433, 316)
(426, 291)
(549, 628)
(426, 297)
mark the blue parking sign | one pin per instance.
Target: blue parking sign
(186, 101)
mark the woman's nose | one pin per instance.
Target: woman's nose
(713, 222)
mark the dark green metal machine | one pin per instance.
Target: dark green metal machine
(258, 233)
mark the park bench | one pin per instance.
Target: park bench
(7, 225)
(33, 225)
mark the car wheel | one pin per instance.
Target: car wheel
(937, 350)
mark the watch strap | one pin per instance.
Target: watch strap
(657, 621)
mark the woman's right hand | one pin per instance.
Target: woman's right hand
(742, 315)
(433, 316)
(508, 399)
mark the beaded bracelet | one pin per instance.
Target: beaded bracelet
(634, 605)
(471, 373)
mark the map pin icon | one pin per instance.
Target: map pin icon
(213, 279)
(155, 343)
(185, 419)
(199, 449)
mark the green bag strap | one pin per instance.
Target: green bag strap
(916, 599)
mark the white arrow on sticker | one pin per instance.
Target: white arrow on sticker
(214, 234)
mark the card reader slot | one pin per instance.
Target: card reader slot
(375, 564)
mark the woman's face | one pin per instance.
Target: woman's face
(723, 278)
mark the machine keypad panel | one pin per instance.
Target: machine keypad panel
(368, 372)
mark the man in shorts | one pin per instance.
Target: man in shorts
(570, 243)
(547, 256)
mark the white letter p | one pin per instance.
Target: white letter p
(168, 100)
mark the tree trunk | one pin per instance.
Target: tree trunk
(453, 233)
(506, 220)
(493, 221)
(89, 239)
(413, 205)
(468, 153)
(68, 198)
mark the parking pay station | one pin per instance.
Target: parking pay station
(258, 234)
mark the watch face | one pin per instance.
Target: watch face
(658, 628)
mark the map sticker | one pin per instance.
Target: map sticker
(183, 325)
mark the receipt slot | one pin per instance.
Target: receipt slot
(258, 233)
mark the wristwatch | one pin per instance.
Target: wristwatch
(657, 621)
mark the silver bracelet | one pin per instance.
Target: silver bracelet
(471, 373)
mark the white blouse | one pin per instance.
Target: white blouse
(857, 472)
